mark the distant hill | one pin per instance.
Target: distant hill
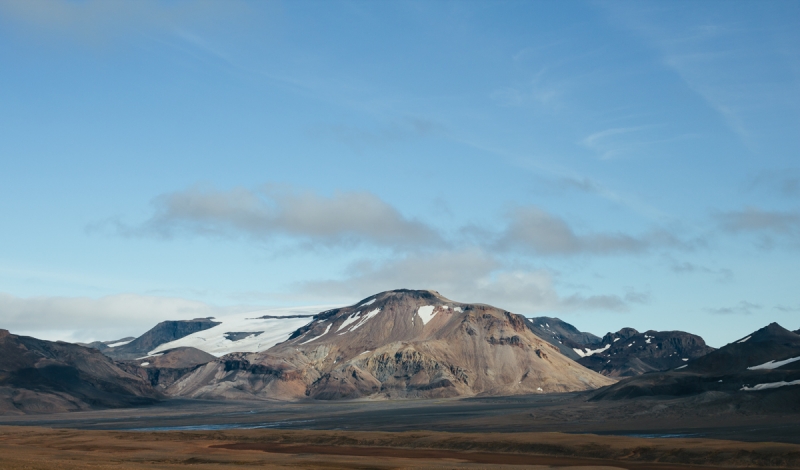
(39, 376)
(625, 353)
(397, 344)
(765, 360)
(103, 345)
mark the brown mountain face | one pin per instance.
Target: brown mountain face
(397, 344)
(163, 369)
(39, 376)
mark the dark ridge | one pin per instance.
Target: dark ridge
(273, 317)
(38, 376)
(725, 370)
(164, 332)
(561, 335)
(238, 335)
(101, 345)
(630, 354)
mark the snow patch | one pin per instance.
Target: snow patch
(426, 313)
(681, 367)
(617, 339)
(144, 364)
(457, 309)
(589, 352)
(275, 330)
(320, 336)
(742, 341)
(368, 303)
(349, 321)
(773, 364)
(366, 318)
(121, 343)
(149, 355)
(684, 359)
(648, 340)
(767, 386)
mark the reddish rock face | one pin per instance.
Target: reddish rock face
(400, 343)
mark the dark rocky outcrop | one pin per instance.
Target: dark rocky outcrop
(39, 376)
(164, 332)
(744, 366)
(103, 345)
(625, 353)
(562, 335)
(629, 353)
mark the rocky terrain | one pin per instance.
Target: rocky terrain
(163, 369)
(562, 335)
(49, 377)
(766, 360)
(625, 353)
(628, 353)
(164, 332)
(397, 344)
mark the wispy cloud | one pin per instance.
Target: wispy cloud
(685, 267)
(784, 182)
(397, 130)
(469, 275)
(106, 318)
(97, 20)
(742, 308)
(531, 228)
(754, 219)
(345, 218)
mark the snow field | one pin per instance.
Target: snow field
(274, 331)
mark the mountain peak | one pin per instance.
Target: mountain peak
(395, 344)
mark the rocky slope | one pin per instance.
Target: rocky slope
(163, 369)
(103, 345)
(627, 352)
(766, 360)
(164, 332)
(397, 344)
(562, 335)
(47, 377)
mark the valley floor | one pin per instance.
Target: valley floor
(62, 449)
(540, 431)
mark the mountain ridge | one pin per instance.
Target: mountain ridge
(397, 344)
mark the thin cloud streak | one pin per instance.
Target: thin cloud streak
(343, 219)
(469, 275)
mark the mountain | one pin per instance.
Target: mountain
(397, 344)
(765, 360)
(243, 332)
(103, 345)
(627, 352)
(562, 335)
(164, 332)
(39, 376)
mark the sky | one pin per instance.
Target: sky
(612, 164)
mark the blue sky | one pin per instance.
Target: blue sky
(610, 163)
